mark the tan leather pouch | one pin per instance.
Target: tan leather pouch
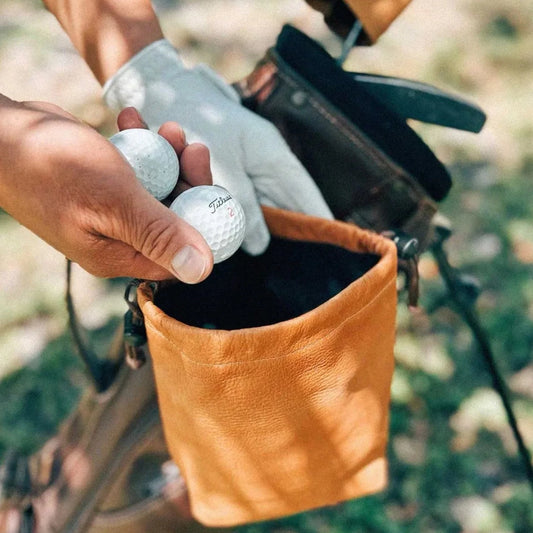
(289, 412)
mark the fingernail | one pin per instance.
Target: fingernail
(141, 119)
(189, 264)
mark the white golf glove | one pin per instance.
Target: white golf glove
(248, 155)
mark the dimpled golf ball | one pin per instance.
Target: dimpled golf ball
(218, 216)
(152, 157)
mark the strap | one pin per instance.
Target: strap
(463, 301)
(101, 371)
(349, 42)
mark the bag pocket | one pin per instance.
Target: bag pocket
(273, 375)
(370, 166)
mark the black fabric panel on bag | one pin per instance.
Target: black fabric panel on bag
(390, 133)
(289, 279)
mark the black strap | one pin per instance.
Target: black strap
(349, 42)
(464, 305)
(101, 371)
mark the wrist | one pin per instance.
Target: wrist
(128, 86)
(156, 76)
(107, 33)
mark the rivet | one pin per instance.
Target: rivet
(299, 98)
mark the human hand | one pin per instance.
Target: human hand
(248, 155)
(72, 188)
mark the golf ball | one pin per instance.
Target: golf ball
(216, 215)
(152, 157)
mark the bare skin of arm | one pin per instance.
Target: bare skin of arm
(107, 33)
(71, 187)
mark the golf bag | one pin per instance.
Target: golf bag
(109, 469)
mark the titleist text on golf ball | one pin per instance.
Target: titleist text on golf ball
(218, 216)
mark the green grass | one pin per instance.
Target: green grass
(38, 397)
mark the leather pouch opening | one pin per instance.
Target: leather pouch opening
(288, 280)
(274, 394)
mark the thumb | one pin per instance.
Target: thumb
(166, 240)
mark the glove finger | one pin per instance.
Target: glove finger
(257, 236)
(278, 176)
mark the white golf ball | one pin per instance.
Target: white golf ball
(152, 157)
(216, 215)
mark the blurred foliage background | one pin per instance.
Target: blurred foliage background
(453, 461)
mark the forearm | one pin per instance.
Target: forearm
(9, 116)
(107, 33)
(16, 126)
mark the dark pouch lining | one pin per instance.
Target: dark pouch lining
(289, 279)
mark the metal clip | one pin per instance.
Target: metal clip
(134, 329)
(408, 249)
